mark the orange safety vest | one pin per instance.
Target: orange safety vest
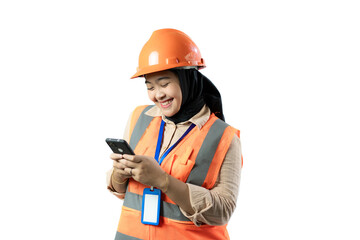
(197, 159)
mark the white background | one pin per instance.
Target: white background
(288, 72)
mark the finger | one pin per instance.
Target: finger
(133, 158)
(129, 171)
(128, 163)
(122, 173)
(116, 156)
(118, 165)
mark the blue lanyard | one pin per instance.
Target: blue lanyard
(160, 137)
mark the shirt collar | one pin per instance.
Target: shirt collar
(198, 119)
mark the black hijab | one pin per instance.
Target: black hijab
(196, 90)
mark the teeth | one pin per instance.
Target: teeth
(166, 103)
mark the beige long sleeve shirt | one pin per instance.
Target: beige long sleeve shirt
(214, 206)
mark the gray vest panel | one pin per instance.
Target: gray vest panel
(140, 127)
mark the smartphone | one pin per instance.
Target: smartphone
(119, 146)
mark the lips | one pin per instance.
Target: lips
(166, 104)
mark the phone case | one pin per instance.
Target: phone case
(119, 146)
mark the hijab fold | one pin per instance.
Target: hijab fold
(196, 90)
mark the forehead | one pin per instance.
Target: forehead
(158, 76)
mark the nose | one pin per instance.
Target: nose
(160, 94)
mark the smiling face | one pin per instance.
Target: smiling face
(164, 90)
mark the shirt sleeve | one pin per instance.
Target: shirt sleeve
(215, 206)
(110, 187)
(126, 136)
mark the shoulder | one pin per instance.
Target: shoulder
(140, 110)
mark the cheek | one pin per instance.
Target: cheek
(151, 95)
(178, 96)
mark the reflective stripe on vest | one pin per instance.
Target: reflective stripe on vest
(206, 153)
(141, 124)
(168, 210)
(120, 236)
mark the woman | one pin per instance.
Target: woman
(183, 148)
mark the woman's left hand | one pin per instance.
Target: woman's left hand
(145, 170)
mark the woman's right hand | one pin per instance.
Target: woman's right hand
(120, 172)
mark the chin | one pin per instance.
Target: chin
(168, 113)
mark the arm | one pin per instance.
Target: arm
(177, 191)
(115, 182)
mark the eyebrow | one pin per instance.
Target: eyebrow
(162, 78)
(159, 79)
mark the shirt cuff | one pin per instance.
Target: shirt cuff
(201, 201)
(118, 195)
(109, 186)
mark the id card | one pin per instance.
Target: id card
(150, 211)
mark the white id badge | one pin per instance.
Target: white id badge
(150, 211)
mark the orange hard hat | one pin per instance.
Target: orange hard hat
(166, 49)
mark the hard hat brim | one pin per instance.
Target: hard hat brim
(159, 68)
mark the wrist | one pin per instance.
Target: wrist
(119, 181)
(165, 183)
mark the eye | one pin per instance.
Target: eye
(150, 88)
(165, 85)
